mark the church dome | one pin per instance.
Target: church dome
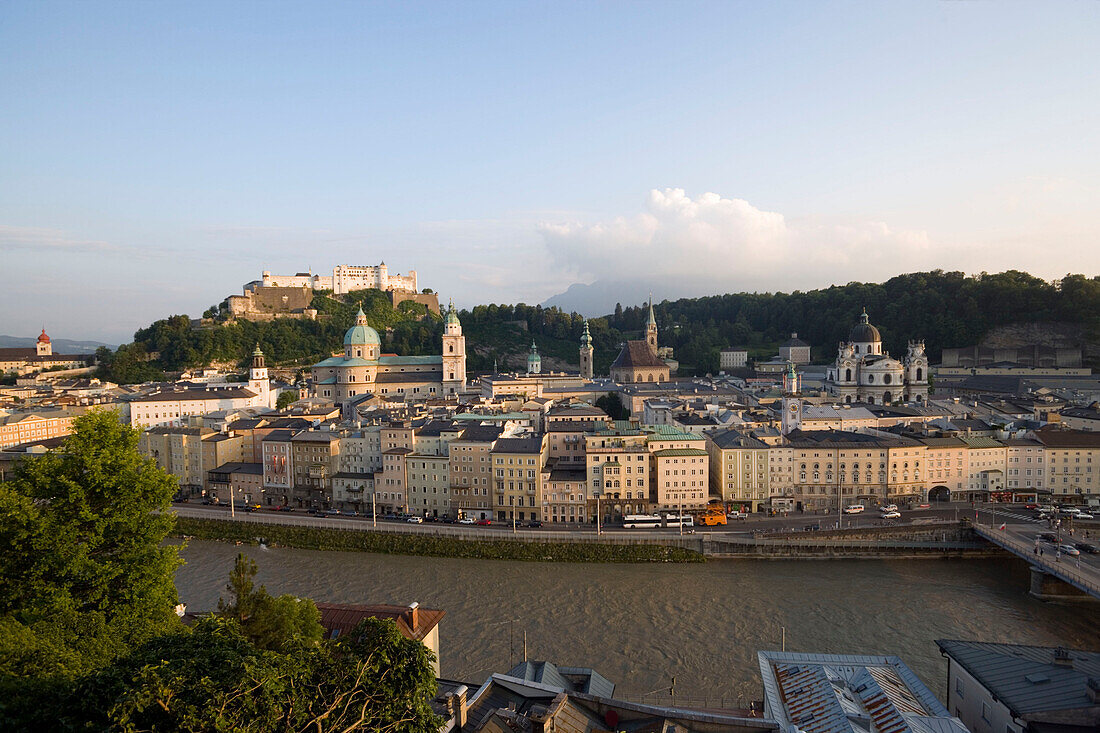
(361, 334)
(863, 332)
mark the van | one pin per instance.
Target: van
(853, 509)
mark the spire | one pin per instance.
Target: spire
(360, 317)
(651, 321)
(864, 318)
(256, 351)
(586, 337)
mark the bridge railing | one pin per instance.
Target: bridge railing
(1066, 570)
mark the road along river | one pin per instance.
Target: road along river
(639, 625)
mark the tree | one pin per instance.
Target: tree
(268, 622)
(84, 574)
(612, 404)
(215, 679)
(285, 398)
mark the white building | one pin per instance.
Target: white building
(733, 358)
(346, 278)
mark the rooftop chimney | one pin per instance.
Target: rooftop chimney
(1062, 657)
(414, 616)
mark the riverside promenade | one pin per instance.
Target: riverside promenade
(943, 538)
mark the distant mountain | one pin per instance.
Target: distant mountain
(60, 346)
(599, 298)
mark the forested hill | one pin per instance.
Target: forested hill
(943, 308)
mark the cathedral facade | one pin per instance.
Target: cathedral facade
(362, 368)
(638, 360)
(863, 372)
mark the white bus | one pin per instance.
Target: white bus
(641, 521)
(674, 520)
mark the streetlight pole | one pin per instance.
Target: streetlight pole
(232, 514)
(512, 507)
(373, 509)
(598, 531)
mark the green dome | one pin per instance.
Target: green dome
(361, 334)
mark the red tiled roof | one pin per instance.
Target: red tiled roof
(344, 617)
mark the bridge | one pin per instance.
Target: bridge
(1064, 578)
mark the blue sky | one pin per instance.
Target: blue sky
(156, 156)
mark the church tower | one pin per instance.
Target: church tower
(586, 353)
(43, 347)
(651, 328)
(792, 401)
(258, 380)
(534, 361)
(454, 354)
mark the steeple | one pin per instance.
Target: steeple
(651, 328)
(586, 353)
(360, 317)
(534, 361)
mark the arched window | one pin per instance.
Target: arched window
(870, 379)
(886, 379)
(857, 348)
(920, 374)
(451, 348)
(848, 375)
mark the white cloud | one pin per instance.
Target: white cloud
(711, 237)
(38, 238)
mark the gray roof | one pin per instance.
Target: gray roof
(238, 467)
(849, 693)
(1025, 678)
(519, 445)
(637, 354)
(568, 679)
(735, 439)
(481, 433)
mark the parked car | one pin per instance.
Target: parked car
(853, 509)
(484, 522)
(284, 508)
(895, 514)
(415, 520)
(1087, 547)
(317, 512)
(466, 520)
(890, 508)
(534, 524)
(391, 515)
(1084, 515)
(737, 515)
(1069, 550)
(332, 511)
(447, 520)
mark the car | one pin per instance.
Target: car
(332, 511)
(1084, 515)
(1069, 510)
(1031, 505)
(448, 520)
(924, 506)
(284, 508)
(317, 512)
(534, 524)
(1069, 550)
(415, 520)
(1087, 547)
(890, 508)
(895, 514)
(737, 515)
(391, 515)
(466, 520)
(853, 509)
(484, 522)
(1046, 536)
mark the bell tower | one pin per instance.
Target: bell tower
(258, 380)
(792, 401)
(586, 353)
(454, 354)
(651, 328)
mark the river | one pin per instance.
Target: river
(640, 624)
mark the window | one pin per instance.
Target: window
(959, 687)
(985, 712)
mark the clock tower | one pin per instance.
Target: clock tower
(792, 401)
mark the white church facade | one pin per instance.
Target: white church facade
(863, 372)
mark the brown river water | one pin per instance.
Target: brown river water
(639, 625)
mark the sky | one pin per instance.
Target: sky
(154, 157)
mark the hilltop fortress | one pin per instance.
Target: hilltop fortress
(291, 296)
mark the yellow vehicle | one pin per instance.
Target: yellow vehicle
(711, 518)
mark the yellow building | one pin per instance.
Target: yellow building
(517, 478)
(1072, 461)
(739, 469)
